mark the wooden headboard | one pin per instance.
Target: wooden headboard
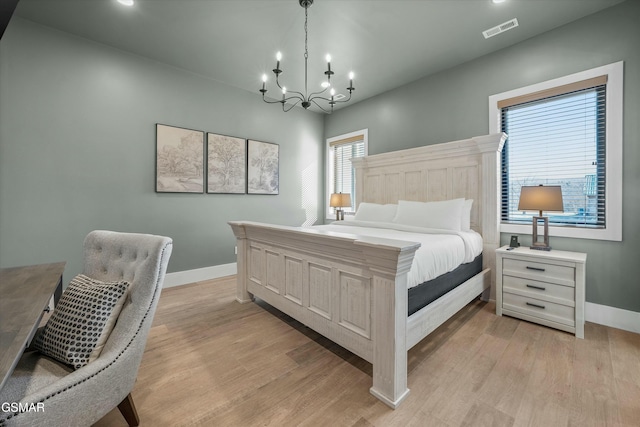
(468, 168)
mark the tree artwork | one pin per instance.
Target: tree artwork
(179, 160)
(227, 158)
(263, 168)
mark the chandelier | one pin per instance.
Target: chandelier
(294, 98)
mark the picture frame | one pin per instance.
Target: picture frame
(179, 160)
(226, 164)
(263, 168)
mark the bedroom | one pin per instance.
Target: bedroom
(86, 105)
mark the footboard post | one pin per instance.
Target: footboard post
(389, 317)
(242, 295)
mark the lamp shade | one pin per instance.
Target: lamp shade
(541, 198)
(340, 200)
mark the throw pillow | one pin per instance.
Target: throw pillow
(444, 215)
(82, 321)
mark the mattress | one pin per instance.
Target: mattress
(425, 293)
(440, 252)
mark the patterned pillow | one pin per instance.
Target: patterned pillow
(82, 321)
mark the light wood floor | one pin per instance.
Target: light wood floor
(210, 361)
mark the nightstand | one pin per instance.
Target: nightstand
(542, 287)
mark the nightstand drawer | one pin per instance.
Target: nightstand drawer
(539, 271)
(543, 309)
(540, 290)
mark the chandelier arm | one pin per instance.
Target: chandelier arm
(322, 98)
(298, 97)
(278, 82)
(320, 107)
(271, 102)
(329, 99)
(299, 94)
(290, 107)
(289, 91)
(315, 94)
(267, 101)
(344, 100)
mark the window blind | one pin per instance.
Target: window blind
(557, 140)
(343, 172)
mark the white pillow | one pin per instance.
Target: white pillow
(444, 215)
(375, 212)
(465, 219)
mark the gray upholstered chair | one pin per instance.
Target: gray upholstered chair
(83, 396)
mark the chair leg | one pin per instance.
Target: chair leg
(128, 411)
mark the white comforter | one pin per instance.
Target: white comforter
(440, 252)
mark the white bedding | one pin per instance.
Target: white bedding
(440, 252)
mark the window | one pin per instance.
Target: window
(340, 173)
(565, 132)
(557, 140)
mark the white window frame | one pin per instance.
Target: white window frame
(614, 143)
(329, 213)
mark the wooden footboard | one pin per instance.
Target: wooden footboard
(352, 290)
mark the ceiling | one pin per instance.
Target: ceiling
(386, 43)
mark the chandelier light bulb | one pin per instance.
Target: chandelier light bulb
(264, 83)
(278, 56)
(333, 91)
(325, 84)
(351, 75)
(284, 90)
(328, 58)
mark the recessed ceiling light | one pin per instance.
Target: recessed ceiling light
(126, 2)
(498, 1)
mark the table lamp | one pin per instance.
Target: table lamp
(541, 198)
(340, 200)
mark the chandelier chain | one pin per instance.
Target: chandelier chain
(306, 32)
(306, 49)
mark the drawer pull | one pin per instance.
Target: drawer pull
(536, 287)
(535, 268)
(535, 305)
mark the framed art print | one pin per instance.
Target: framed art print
(179, 160)
(226, 164)
(263, 167)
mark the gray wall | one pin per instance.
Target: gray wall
(77, 151)
(454, 105)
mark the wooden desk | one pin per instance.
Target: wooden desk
(25, 293)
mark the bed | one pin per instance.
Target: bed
(353, 288)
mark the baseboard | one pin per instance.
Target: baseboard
(199, 274)
(611, 316)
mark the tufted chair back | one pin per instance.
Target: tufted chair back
(83, 396)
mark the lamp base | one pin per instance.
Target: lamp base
(540, 248)
(543, 245)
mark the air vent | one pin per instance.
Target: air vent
(338, 97)
(505, 26)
